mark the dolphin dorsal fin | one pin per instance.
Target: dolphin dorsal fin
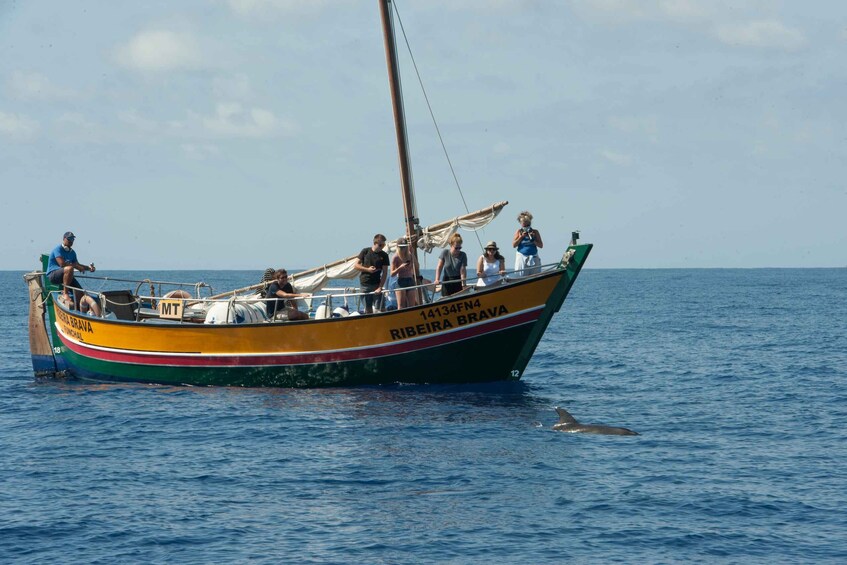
(565, 417)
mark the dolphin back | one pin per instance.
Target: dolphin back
(607, 430)
(568, 423)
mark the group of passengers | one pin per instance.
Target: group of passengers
(450, 272)
(373, 264)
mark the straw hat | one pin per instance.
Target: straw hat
(492, 245)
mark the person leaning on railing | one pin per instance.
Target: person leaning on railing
(452, 267)
(491, 266)
(282, 290)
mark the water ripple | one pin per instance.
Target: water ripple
(737, 385)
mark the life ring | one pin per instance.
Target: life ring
(179, 293)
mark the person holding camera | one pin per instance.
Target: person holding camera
(527, 242)
(401, 267)
(372, 264)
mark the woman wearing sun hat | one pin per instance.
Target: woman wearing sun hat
(491, 266)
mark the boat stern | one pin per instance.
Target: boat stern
(43, 360)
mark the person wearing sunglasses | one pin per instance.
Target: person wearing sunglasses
(402, 268)
(372, 264)
(452, 267)
(491, 266)
(527, 241)
(283, 307)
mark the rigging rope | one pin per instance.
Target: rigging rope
(432, 115)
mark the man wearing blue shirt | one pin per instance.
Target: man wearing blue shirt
(61, 266)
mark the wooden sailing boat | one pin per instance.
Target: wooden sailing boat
(449, 340)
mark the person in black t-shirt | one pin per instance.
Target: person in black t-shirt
(282, 290)
(373, 266)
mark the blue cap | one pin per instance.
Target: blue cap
(69, 235)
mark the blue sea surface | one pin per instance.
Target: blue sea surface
(735, 379)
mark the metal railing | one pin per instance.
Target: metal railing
(195, 309)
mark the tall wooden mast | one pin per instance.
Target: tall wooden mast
(409, 207)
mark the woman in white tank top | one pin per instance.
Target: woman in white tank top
(491, 266)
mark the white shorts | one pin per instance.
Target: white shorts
(526, 264)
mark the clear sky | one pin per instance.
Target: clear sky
(244, 134)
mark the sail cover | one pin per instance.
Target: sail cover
(434, 236)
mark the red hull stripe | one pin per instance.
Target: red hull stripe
(260, 360)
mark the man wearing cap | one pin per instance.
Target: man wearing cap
(61, 265)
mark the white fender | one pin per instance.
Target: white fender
(236, 312)
(322, 312)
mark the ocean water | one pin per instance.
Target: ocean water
(735, 379)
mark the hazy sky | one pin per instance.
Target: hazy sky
(244, 134)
